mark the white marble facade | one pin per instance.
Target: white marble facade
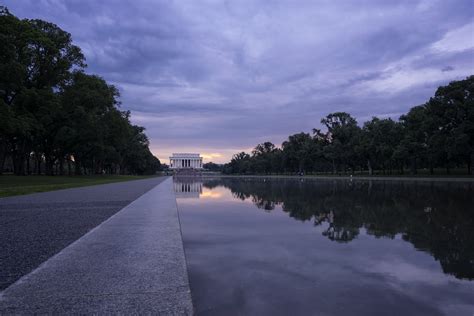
(185, 161)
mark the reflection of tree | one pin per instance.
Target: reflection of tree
(263, 204)
(434, 217)
(337, 233)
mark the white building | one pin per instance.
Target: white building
(185, 161)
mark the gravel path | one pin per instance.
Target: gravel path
(34, 227)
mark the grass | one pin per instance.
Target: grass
(16, 185)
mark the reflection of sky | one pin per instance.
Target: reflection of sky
(217, 195)
(211, 194)
(253, 261)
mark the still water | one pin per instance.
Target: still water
(328, 247)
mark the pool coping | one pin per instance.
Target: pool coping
(353, 178)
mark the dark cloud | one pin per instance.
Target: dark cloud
(221, 76)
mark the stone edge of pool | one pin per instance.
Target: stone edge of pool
(132, 263)
(354, 178)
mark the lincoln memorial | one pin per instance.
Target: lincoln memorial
(185, 161)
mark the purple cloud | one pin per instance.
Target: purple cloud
(219, 77)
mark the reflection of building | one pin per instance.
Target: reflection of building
(185, 161)
(187, 189)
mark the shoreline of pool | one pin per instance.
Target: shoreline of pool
(353, 178)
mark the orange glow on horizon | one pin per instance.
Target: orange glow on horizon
(215, 155)
(210, 156)
(210, 194)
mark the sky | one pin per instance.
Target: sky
(219, 77)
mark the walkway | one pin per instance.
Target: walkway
(35, 227)
(133, 263)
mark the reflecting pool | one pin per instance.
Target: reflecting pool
(328, 247)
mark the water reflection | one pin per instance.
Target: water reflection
(437, 218)
(187, 187)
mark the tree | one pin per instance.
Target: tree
(413, 146)
(90, 106)
(450, 123)
(262, 157)
(212, 167)
(378, 141)
(240, 163)
(296, 151)
(36, 58)
(54, 113)
(343, 134)
(439, 133)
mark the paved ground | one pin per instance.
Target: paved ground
(133, 263)
(34, 227)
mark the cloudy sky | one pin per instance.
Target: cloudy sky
(218, 77)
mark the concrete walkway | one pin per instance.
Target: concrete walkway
(133, 263)
(37, 226)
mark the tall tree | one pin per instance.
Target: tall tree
(377, 143)
(50, 110)
(450, 123)
(343, 134)
(262, 157)
(296, 151)
(35, 56)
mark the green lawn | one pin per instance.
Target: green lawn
(16, 185)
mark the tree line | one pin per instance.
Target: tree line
(211, 166)
(55, 118)
(437, 134)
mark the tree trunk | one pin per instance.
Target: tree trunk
(48, 165)
(61, 166)
(413, 166)
(18, 158)
(77, 167)
(35, 164)
(38, 162)
(18, 164)
(369, 166)
(469, 171)
(28, 164)
(3, 154)
(300, 166)
(69, 170)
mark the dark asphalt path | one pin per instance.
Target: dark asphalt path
(34, 227)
